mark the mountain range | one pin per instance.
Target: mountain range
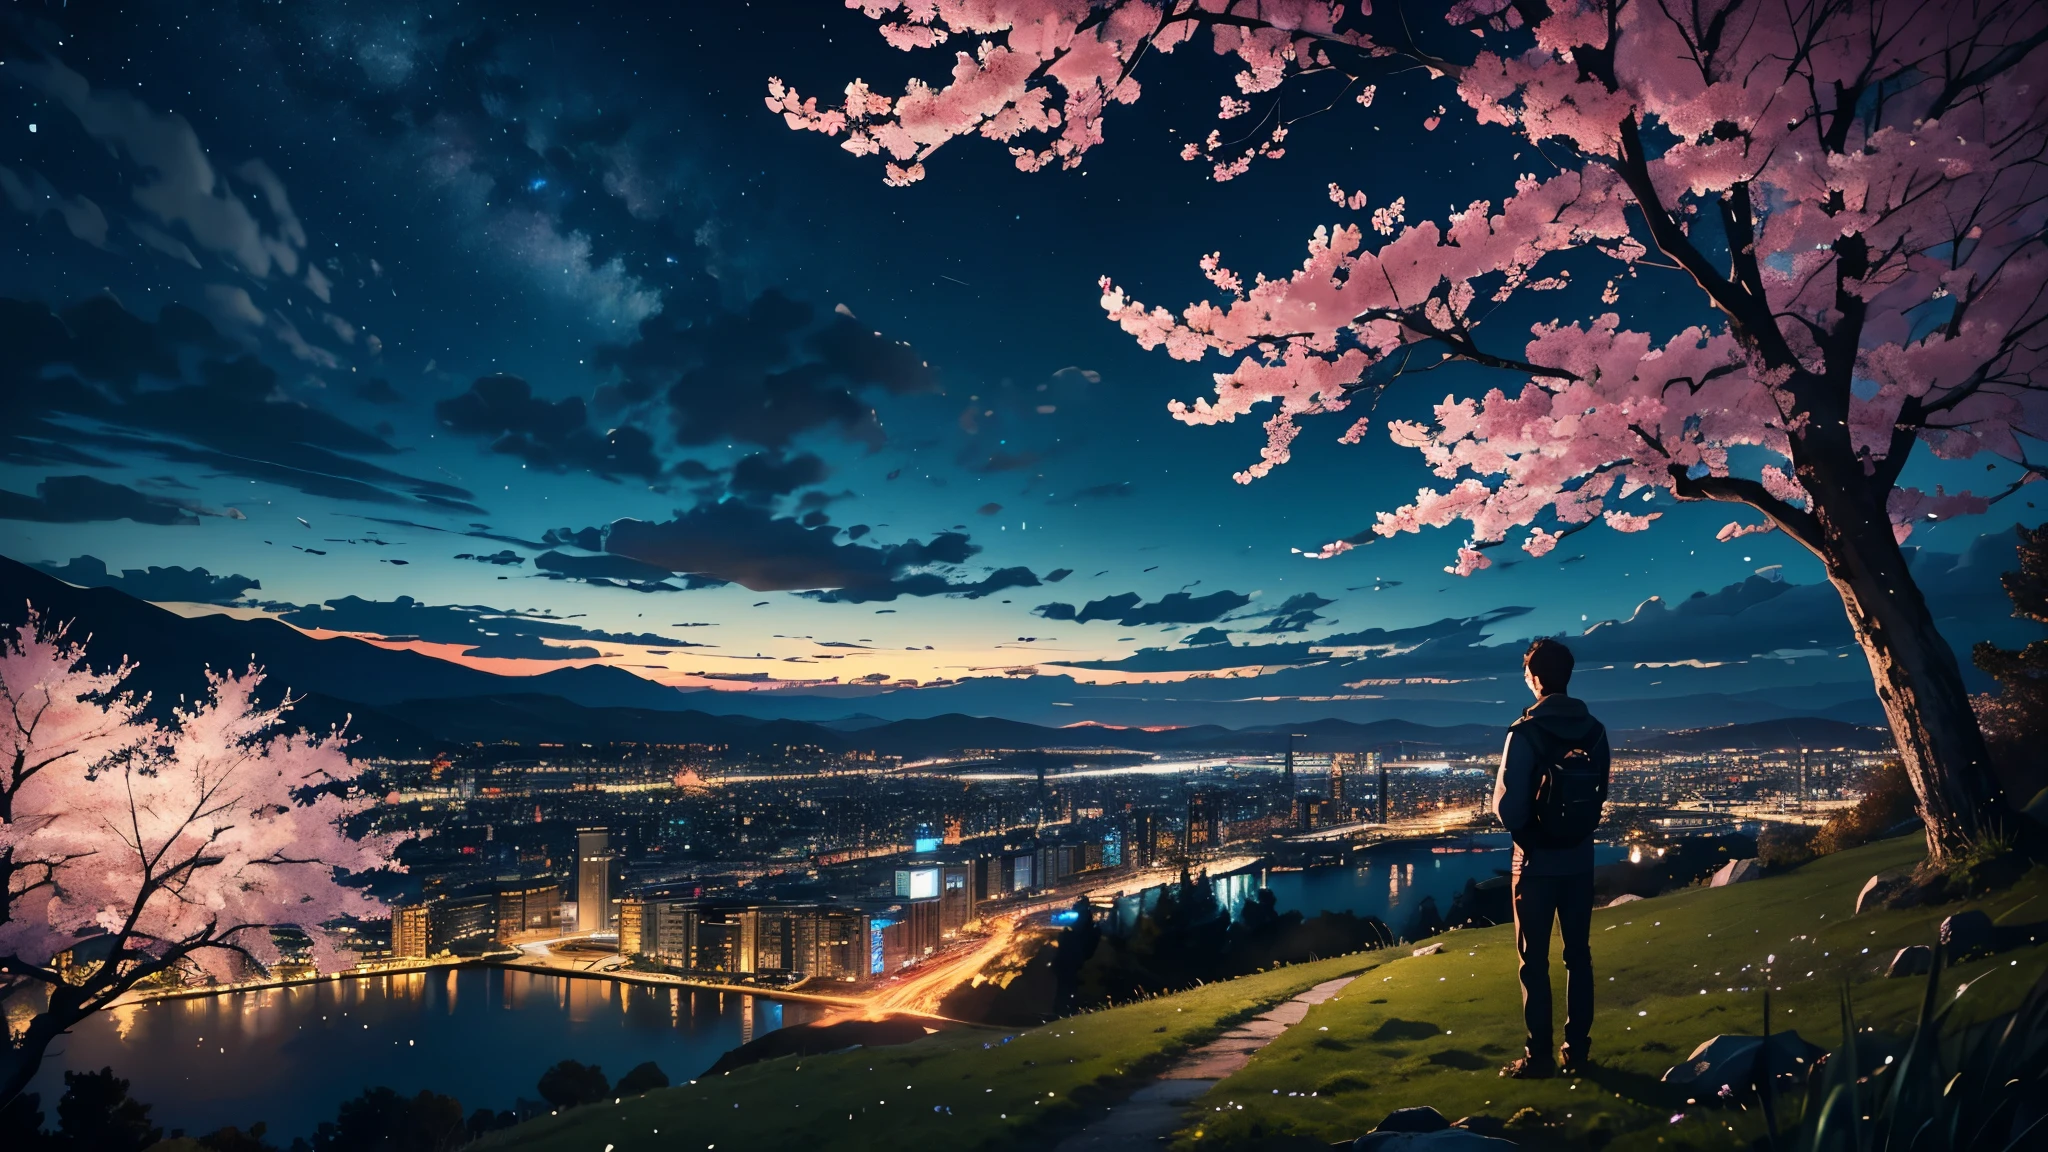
(400, 702)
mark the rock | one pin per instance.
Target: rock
(1422, 1119)
(1482, 1124)
(1624, 898)
(1967, 934)
(1448, 1140)
(1729, 1062)
(1917, 960)
(1430, 949)
(1879, 889)
(1737, 872)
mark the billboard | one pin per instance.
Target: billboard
(924, 883)
(929, 843)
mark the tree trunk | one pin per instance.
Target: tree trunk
(1919, 681)
(20, 1059)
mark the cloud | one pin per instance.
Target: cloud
(734, 541)
(1293, 615)
(614, 571)
(1128, 609)
(480, 631)
(764, 475)
(227, 413)
(1208, 650)
(506, 558)
(194, 585)
(36, 197)
(555, 435)
(179, 186)
(81, 499)
(763, 376)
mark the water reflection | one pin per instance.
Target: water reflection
(289, 1056)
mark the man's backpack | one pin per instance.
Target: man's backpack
(1571, 786)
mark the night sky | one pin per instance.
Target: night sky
(362, 302)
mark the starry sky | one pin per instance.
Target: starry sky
(526, 335)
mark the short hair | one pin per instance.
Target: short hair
(1550, 662)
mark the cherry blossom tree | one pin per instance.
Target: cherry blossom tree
(162, 850)
(1854, 188)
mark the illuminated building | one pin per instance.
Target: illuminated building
(593, 880)
(1203, 818)
(409, 931)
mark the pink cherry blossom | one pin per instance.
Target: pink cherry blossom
(179, 842)
(1851, 190)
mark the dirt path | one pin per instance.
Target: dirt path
(1153, 1112)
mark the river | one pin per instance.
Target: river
(290, 1056)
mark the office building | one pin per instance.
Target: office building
(593, 880)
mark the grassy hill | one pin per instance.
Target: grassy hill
(1004, 1088)
(1672, 972)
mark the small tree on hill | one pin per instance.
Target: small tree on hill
(2016, 718)
(134, 851)
(1852, 189)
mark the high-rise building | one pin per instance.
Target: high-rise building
(409, 931)
(593, 880)
(1141, 838)
(1377, 765)
(1342, 765)
(1203, 831)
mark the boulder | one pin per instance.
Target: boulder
(1447, 1140)
(1729, 1062)
(1967, 934)
(1624, 898)
(1430, 949)
(1422, 1119)
(1879, 889)
(1737, 872)
(1916, 960)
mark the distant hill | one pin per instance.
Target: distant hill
(402, 702)
(174, 650)
(1767, 735)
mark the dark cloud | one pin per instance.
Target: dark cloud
(748, 545)
(1206, 636)
(1456, 631)
(480, 631)
(506, 557)
(78, 499)
(97, 377)
(930, 584)
(1004, 461)
(552, 434)
(1129, 610)
(1203, 652)
(1295, 614)
(615, 571)
(989, 509)
(762, 376)
(765, 475)
(196, 585)
(1057, 575)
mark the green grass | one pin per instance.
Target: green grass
(1435, 1029)
(1412, 1030)
(1002, 1095)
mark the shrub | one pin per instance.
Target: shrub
(570, 1083)
(642, 1079)
(1887, 802)
(1782, 846)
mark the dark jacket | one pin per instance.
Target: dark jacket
(1514, 789)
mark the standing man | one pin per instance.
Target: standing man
(1549, 794)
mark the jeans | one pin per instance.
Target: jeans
(1570, 900)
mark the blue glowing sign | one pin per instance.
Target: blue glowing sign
(929, 843)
